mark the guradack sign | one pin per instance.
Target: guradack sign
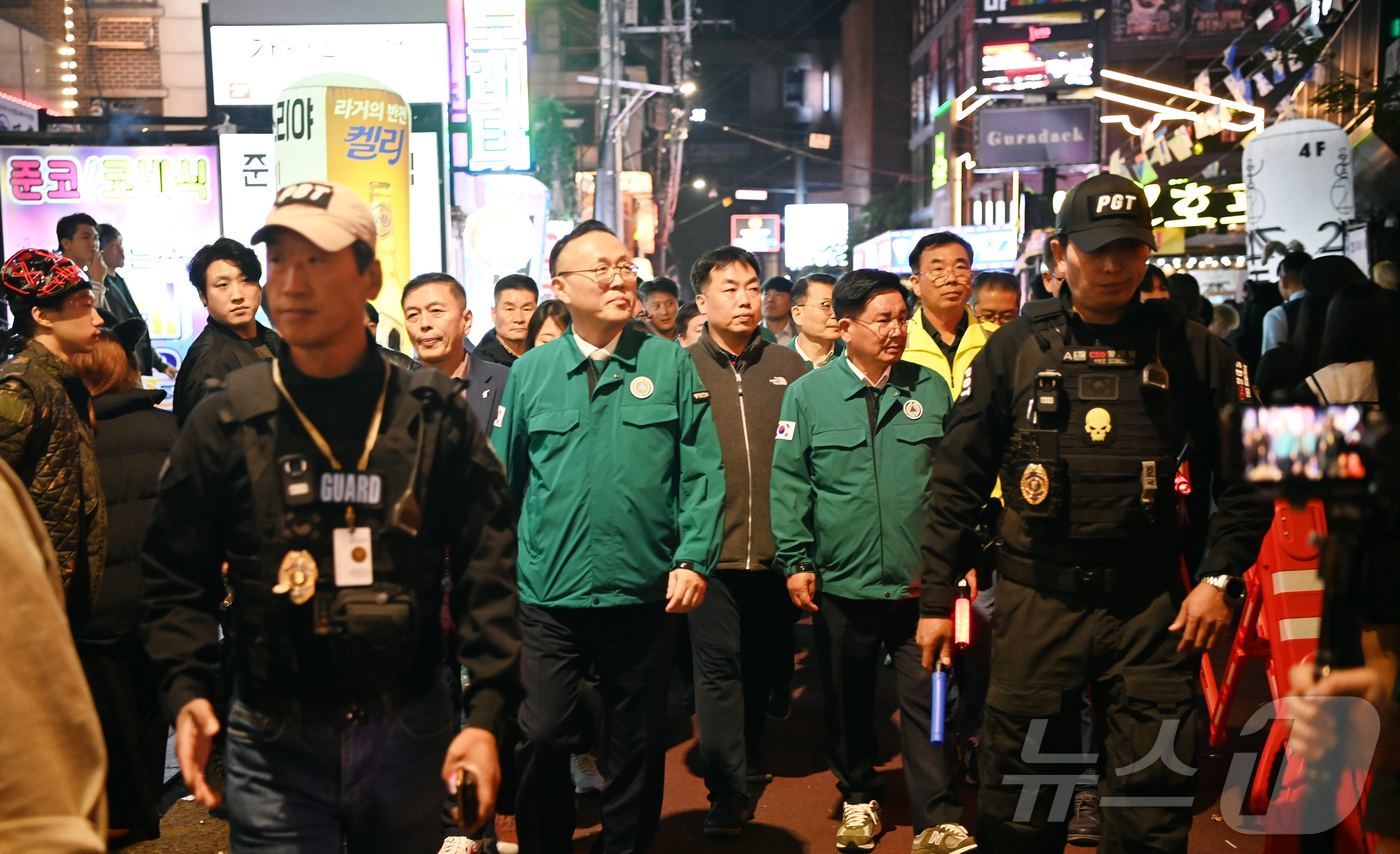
(1052, 135)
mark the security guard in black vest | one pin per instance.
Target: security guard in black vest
(342, 494)
(1084, 407)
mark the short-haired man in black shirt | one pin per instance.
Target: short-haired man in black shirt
(516, 298)
(227, 276)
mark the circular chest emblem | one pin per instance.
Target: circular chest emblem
(642, 388)
(1035, 484)
(913, 409)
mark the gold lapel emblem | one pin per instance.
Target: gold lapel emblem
(297, 577)
(1035, 484)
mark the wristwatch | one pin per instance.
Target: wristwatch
(684, 564)
(1232, 587)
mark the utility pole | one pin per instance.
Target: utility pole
(607, 190)
(679, 53)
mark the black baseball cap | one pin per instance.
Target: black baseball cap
(1103, 209)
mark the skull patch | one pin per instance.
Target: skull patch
(1098, 423)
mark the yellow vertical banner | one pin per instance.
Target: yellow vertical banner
(354, 131)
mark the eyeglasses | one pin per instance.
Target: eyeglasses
(824, 306)
(991, 316)
(884, 328)
(960, 273)
(605, 275)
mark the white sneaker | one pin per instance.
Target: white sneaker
(583, 768)
(860, 826)
(944, 839)
(463, 845)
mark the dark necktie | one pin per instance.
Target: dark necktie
(872, 406)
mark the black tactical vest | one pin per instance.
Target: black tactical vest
(345, 645)
(1093, 454)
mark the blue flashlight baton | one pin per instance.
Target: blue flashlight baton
(938, 708)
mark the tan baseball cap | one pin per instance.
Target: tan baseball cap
(332, 216)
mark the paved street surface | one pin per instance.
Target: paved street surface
(795, 812)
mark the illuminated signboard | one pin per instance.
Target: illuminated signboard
(1183, 203)
(1026, 8)
(939, 169)
(165, 200)
(1045, 135)
(816, 235)
(252, 64)
(1187, 204)
(498, 97)
(756, 232)
(247, 165)
(1037, 57)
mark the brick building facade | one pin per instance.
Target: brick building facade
(139, 57)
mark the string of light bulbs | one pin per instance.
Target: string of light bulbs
(68, 62)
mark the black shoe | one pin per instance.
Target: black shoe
(1085, 826)
(758, 774)
(780, 704)
(725, 819)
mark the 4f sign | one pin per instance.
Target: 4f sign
(1298, 159)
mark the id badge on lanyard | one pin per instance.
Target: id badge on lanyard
(352, 545)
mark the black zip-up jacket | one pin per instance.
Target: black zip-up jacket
(1205, 376)
(746, 395)
(215, 354)
(204, 516)
(133, 438)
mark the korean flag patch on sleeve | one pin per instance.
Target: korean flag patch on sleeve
(786, 429)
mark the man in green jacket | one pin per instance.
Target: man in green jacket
(851, 469)
(611, 453)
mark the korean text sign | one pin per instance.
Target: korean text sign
(498, 92)
(164, 201)
(354, 131)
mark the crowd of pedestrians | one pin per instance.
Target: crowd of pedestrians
(488, 604)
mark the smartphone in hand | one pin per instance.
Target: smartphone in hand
(467, 804)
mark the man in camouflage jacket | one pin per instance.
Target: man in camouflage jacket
(45, 415)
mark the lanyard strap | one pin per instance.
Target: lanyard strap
(321, 444)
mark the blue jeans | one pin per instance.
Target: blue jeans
(296, 788)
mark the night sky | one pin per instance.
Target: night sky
(779, 19)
